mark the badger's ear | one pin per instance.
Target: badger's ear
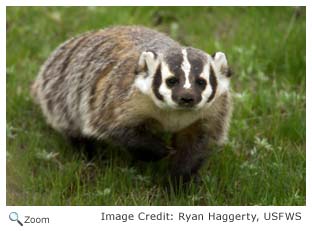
(148, 62)
(222, 64)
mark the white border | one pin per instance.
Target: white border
(87, 218)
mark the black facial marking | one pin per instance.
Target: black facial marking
(157, 83)
(182, 96)
(196, 66)
(174, 60)
(172, 81)
(197, 61)
(201, 82)
(213, 83)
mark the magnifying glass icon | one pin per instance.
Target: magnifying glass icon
(14, 217)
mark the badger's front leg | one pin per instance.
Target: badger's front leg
(141, 143)
(190, 151)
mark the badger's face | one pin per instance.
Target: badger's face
(183, 79)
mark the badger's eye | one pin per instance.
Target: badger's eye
(172, 81)
(201, 82)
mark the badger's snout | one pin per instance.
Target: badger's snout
(186, 100)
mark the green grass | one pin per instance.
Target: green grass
(264, 161)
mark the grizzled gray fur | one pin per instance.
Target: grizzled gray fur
(123, 83)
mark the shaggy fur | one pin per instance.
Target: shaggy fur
(113, 85)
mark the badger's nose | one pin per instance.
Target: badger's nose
(187, 100)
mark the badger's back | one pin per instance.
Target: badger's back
(86, 78)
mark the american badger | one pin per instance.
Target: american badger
(124, 83)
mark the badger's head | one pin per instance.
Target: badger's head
(183, 78)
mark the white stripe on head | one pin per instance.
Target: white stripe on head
(186, 67)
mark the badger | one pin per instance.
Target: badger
(129, 84)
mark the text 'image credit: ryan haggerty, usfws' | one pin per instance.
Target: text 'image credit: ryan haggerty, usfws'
(156, 105)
